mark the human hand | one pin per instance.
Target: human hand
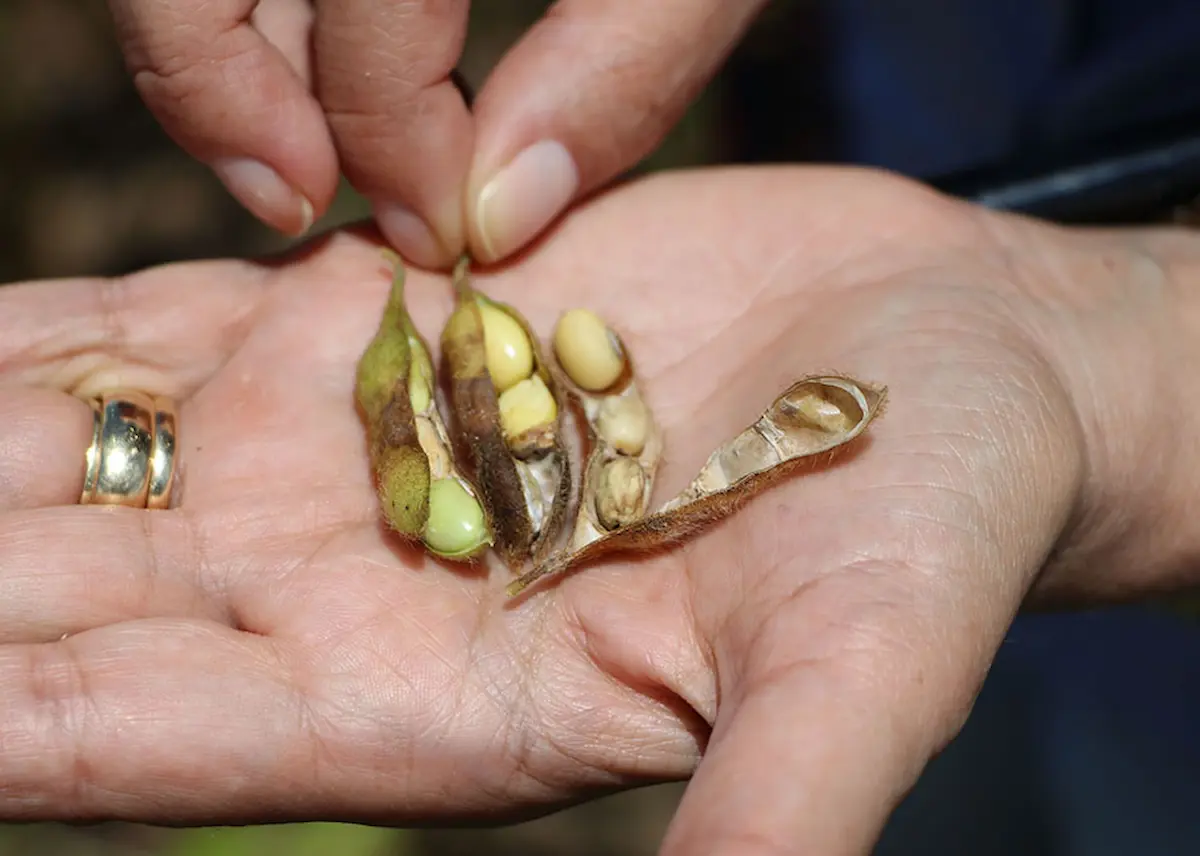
(266, 651)
(272, 94)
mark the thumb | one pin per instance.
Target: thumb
(821, 734)
(846, 666)
(590, 90)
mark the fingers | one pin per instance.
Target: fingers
(588, 92)
(165, 330)
(44, 434)
(66, 570)
(186, 721)
(232, 99)
(403, 133)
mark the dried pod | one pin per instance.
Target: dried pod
(624, 444)
(423, 495)
(508, 411)
(812, 417)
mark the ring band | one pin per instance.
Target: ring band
(162, 455)
(131, 459)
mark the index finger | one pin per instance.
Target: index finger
(234, 100)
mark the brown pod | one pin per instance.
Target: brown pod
(812, 417)
(508, 410)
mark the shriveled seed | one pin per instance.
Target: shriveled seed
(624, 423)
(619, 493)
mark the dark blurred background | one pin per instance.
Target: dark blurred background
(1083, 742)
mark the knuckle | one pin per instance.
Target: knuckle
(58, 711)
(111, 314)
(179, 81)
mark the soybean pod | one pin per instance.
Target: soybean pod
(813, 417)
(509, 408)
(423, 495)
(624, 443)
(508, 412)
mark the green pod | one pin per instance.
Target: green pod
(422, 495)
(386, 388)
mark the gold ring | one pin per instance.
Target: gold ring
(131, 459)
(163, 452)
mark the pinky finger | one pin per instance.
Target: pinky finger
(184, 721)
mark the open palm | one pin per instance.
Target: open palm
(267, 650)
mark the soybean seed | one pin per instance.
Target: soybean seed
(587, 350)
(527, 406)
(456, 527)
(509, 352)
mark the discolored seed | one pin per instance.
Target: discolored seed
(509, 353)
(624, 422)
(619, 493)
(525, 407)
(587, 350)
(456, 528)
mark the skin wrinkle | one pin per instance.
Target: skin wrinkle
(862, 640)
(842, 268)
(340, 731)
(508, 690)
(397, 63)
(523, 717)
(637, 678)
(515, 729)
(1098, 522)
(151, 578)
(150, 45)
(180, 79)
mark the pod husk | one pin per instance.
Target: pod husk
(600, 451)
(525, 498)
(814, 416)
(399, 463)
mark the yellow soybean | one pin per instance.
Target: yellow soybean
(509, 353)
(587, 350)
(525, 407)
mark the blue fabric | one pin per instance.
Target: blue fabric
(1083, 743)
(928, 87)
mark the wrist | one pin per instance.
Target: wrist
(1128, 348)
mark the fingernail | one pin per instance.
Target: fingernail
(523, 197)
(267, 196)
(409, 234)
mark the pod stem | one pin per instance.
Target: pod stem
(398, 273)
(461, 277)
